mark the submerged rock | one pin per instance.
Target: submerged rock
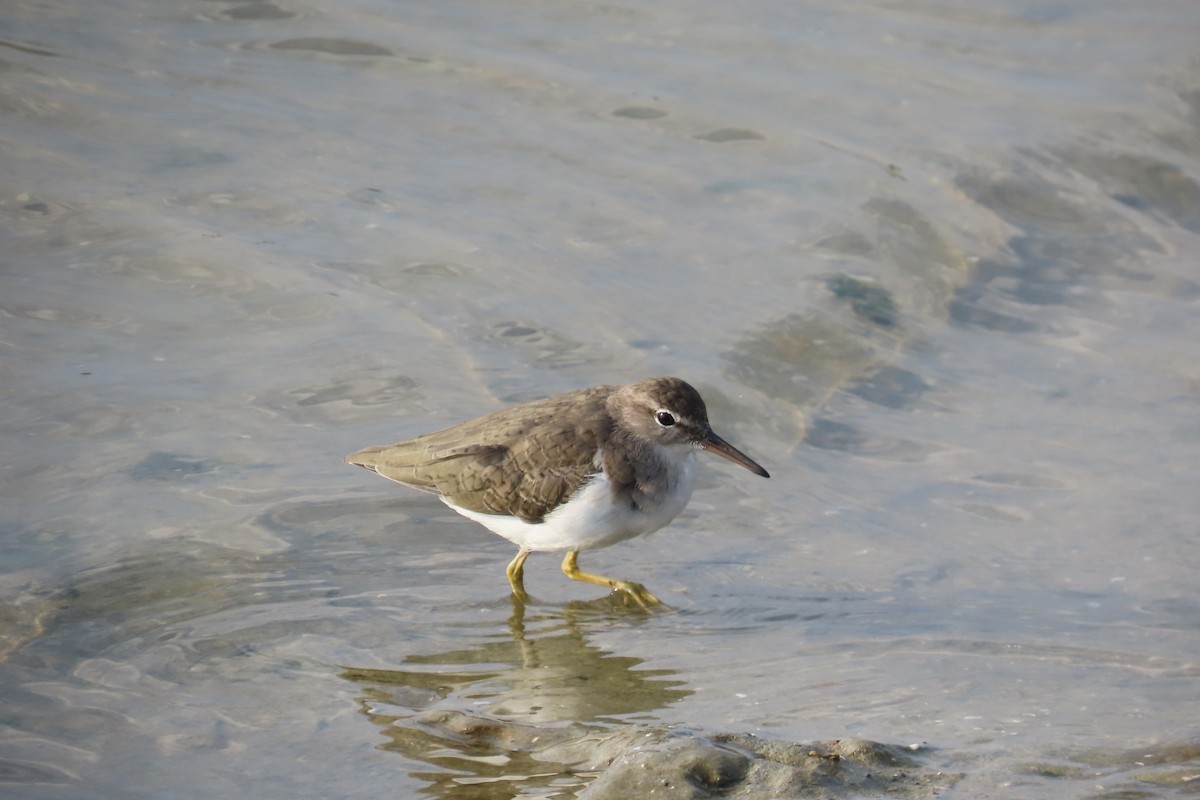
(744, 766)
(673, 764)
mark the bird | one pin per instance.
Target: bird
(578, 471)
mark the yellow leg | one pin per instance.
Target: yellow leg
(516, 574)
(635, 591)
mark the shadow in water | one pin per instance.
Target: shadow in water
(533, 706)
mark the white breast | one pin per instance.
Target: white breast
(590, 519)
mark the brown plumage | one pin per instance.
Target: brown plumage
(522, 461)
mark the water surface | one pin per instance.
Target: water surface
(931, 264)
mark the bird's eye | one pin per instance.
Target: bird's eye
(664, 418)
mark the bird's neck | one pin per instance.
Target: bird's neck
(645, 474)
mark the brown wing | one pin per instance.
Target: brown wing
(521, 461)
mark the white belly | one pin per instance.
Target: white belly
(590, 519)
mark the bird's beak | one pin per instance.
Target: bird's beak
(718, 446)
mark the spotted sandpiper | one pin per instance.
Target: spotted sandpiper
(577, 471)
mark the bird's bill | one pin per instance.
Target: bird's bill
(718, 446)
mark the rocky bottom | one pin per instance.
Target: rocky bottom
(673, 764)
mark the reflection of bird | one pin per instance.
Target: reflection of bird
(546, 670)
(518, 713)
(578, 471)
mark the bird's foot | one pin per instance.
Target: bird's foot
(634, 592)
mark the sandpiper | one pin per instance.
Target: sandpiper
(577, 471)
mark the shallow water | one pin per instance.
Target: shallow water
(932, 265)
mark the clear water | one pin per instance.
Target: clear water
(932, 264)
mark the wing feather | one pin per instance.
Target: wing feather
(523, 461)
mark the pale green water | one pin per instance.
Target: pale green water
(933, 266)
